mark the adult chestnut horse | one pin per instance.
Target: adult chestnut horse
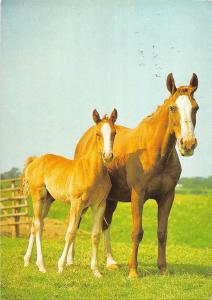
(146, 165)
(83, 182)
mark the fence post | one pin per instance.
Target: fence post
(15, 231)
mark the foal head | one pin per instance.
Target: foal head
(182, 114)
(105, 133)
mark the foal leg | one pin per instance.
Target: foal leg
(75, 213)
(28, 254)
(137, 233)
(35, 233)
(37, 206)
(98, 213)
(71, 252)
(46, 206)
(164, 207)
(110, 208)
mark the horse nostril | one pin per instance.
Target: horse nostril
(181, 141)
(194, 143)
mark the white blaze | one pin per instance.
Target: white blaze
(185, 109)
(106, 131)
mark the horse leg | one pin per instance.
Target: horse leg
(137, 202)
(28, 254)
(36, 232)
(164, 207)
(46, 205)
(110, 208)
(74, 217)
(98, 213)
(71, 252)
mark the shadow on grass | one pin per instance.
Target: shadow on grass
(172, 270)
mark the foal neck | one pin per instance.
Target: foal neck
(96, 161)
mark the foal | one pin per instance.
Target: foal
(83, 182)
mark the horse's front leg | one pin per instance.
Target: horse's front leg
(164, 207)
(110, 208)
(74, 217)
(98, 213)
(137, 202)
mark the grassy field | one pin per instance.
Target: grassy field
(189, 256)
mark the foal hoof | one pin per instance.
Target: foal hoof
(133, 274)
(26, 261)
(112, 267)
(26, 264)
(60, 270)
(42, 269)
(97, 274)
(69, 263)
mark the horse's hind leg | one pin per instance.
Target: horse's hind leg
(36, 232)
(46, 206)
(164, 207)
(28, 254)
(38, 223)
(110, 208)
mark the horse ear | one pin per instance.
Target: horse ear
(96, 116)
(194, 82)
(171, 84)
(114, 115)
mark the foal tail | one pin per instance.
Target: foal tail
(24, 177)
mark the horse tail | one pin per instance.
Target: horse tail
(24, 178)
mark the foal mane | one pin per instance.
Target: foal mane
(105, 118)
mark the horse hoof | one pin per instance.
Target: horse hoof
(97, 274)
(26, 264)
(112, 267)
(42, 269)
(60, 270)
(164, 272)
(26, 261)
(69, 263)
(133, 274)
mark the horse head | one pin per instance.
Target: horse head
(182, 114)
(105, 133)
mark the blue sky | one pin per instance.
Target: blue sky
(62, 59)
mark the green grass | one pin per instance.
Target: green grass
(189, 256)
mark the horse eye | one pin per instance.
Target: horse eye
(172, 108)
(98, 134)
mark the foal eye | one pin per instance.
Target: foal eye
(172, 108)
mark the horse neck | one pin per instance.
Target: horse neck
(156, 132)
(96, 161)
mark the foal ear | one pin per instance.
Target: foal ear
(114, 115)
(194, 82)
(171, 84)
(96, 116)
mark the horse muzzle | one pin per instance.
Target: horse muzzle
(107, 158)
(187, 146)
